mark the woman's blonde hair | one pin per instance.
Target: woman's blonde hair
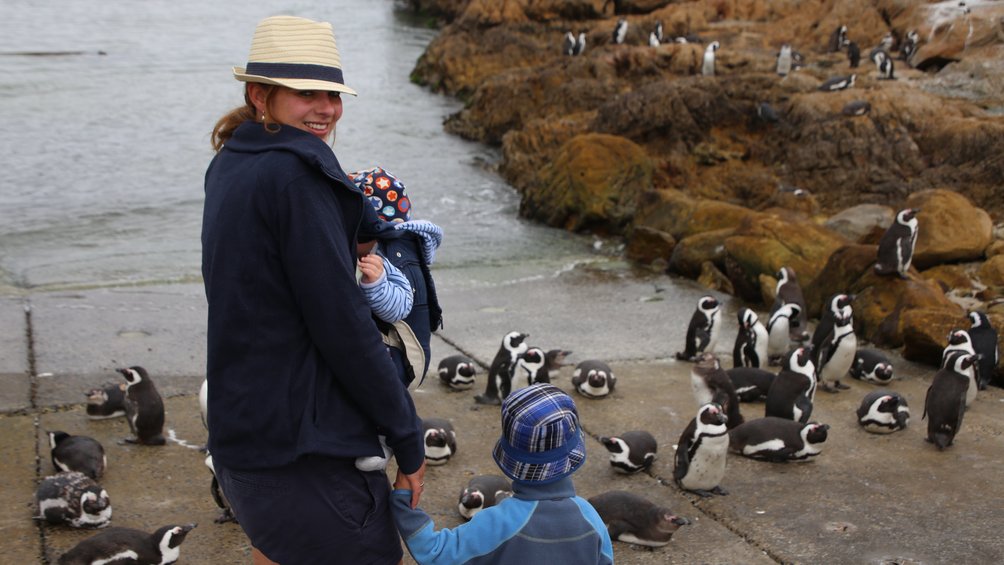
(226, 125)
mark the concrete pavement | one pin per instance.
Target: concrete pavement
(865, 499)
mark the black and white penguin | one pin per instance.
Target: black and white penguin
(708, 65)
(945, 403)
(568, 44)
(984, 340)
(700, 454)
(751, 383)
(632, 518)
(144, 407)
(750, 349)
(530, 368)
(895, 250)
(74, 499)
(658, 31)
(712, 385)
(620, 31)
(653, 40)
(778, 439)
(513, 345)
(793, 391)
(958, 340)
(838, 83)
(554, 360)
(856, 108)
(458, 371)
(766, 114)
(783, 62)
(961, 343)
(779, 329)
(580, 43)
(838, 306)
(226, 511)
(910, 46)
(204, 403)
(871, 365)
(885, 66)
(631, 452)
(482, 491)
(440, 440)
(593, 379)
(838, 39)
(788, 291)
(883, 412)
(77, 453)
(107, 401)
(704, 329)
(126, 545)
(853, 55)
(836, 355)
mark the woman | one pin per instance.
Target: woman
(299, 378)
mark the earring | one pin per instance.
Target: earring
(263, 116)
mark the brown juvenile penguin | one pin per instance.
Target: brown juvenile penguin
(144, 407)
(711, 384)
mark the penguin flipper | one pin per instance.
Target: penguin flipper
(927, 401)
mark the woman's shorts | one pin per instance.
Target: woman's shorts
(315, 510)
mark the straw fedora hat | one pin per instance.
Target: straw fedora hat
(296, 53)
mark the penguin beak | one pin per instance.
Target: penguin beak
(680, 521)
(188, 527)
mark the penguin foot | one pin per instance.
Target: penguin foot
(825, 387)
(841, 385)
(703, 493)
(226, 516)
(490, 400)
(720, 491)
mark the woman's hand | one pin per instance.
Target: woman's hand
(414, 482)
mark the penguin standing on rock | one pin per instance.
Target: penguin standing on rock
(711, 384)
(788, 291)
(895, 250)
(513, 345)
(458, 372)
(105, 402)
(631, 452)
(708, 65)
(77, 453)
(568, 45)
(856, 108)
(836, 355)
(144, 407)
(620, 31)
(701, 451)
(482, 491)
(793, 391)
(838, 39)
(883, 62)
(778, 439)
(871, 365)
(838, 306)
(440, 440)
(751, 341)
(883, 412)
(704, 328)
(779, 329)
(751, 383)
(126, 545)
(593, 379)
(74, 499)
(783, 63)
(632, 518)
(984, 340)
(945, 404)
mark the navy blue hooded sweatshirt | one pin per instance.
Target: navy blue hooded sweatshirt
(295, 363)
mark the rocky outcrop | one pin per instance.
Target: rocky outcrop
(951, 228)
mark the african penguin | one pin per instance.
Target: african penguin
(126, 545)
(871, 365)
(227, 512)
(632, 518)
(783, 63)
(658, 31)
(960, 343)
(766, 114)
(838, 39)
(895, 250)
(580, 43)
(751, 383)
(700, 454)
(704, 328)
(620, 31)
(144, 407)
(530, 368)
(838, 83)
(631, 452)
(856, 108)
(653, 40)
(883, 62)
(513, 345)
(945, 403)
(778, 439)
(836, 355)
(984, 340)
(708, 65)
(711, 384)
(458, 372)
(838, 306)
(74, 499)
(204, 403)
(909, 46)
(751, 341)
(77, 453)
(788, 291)
(593, 379)
(108, 401)
(853, 55)
(482, 491)
(883, 412)
(554, 360)
(793, 391)
(779, 328)
(568, 45)
(440, 440)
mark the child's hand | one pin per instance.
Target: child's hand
(371, 267)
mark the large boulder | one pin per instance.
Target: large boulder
(674, 212)
(593, 183)
(925, 332)
(950, 228)
(864, 223)
(690, 253)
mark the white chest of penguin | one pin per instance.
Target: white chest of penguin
(707, 466)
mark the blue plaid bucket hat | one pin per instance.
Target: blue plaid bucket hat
(385, 192)
(541, 439)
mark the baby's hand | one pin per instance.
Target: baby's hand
(371, 267)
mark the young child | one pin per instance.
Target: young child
(544, 522)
